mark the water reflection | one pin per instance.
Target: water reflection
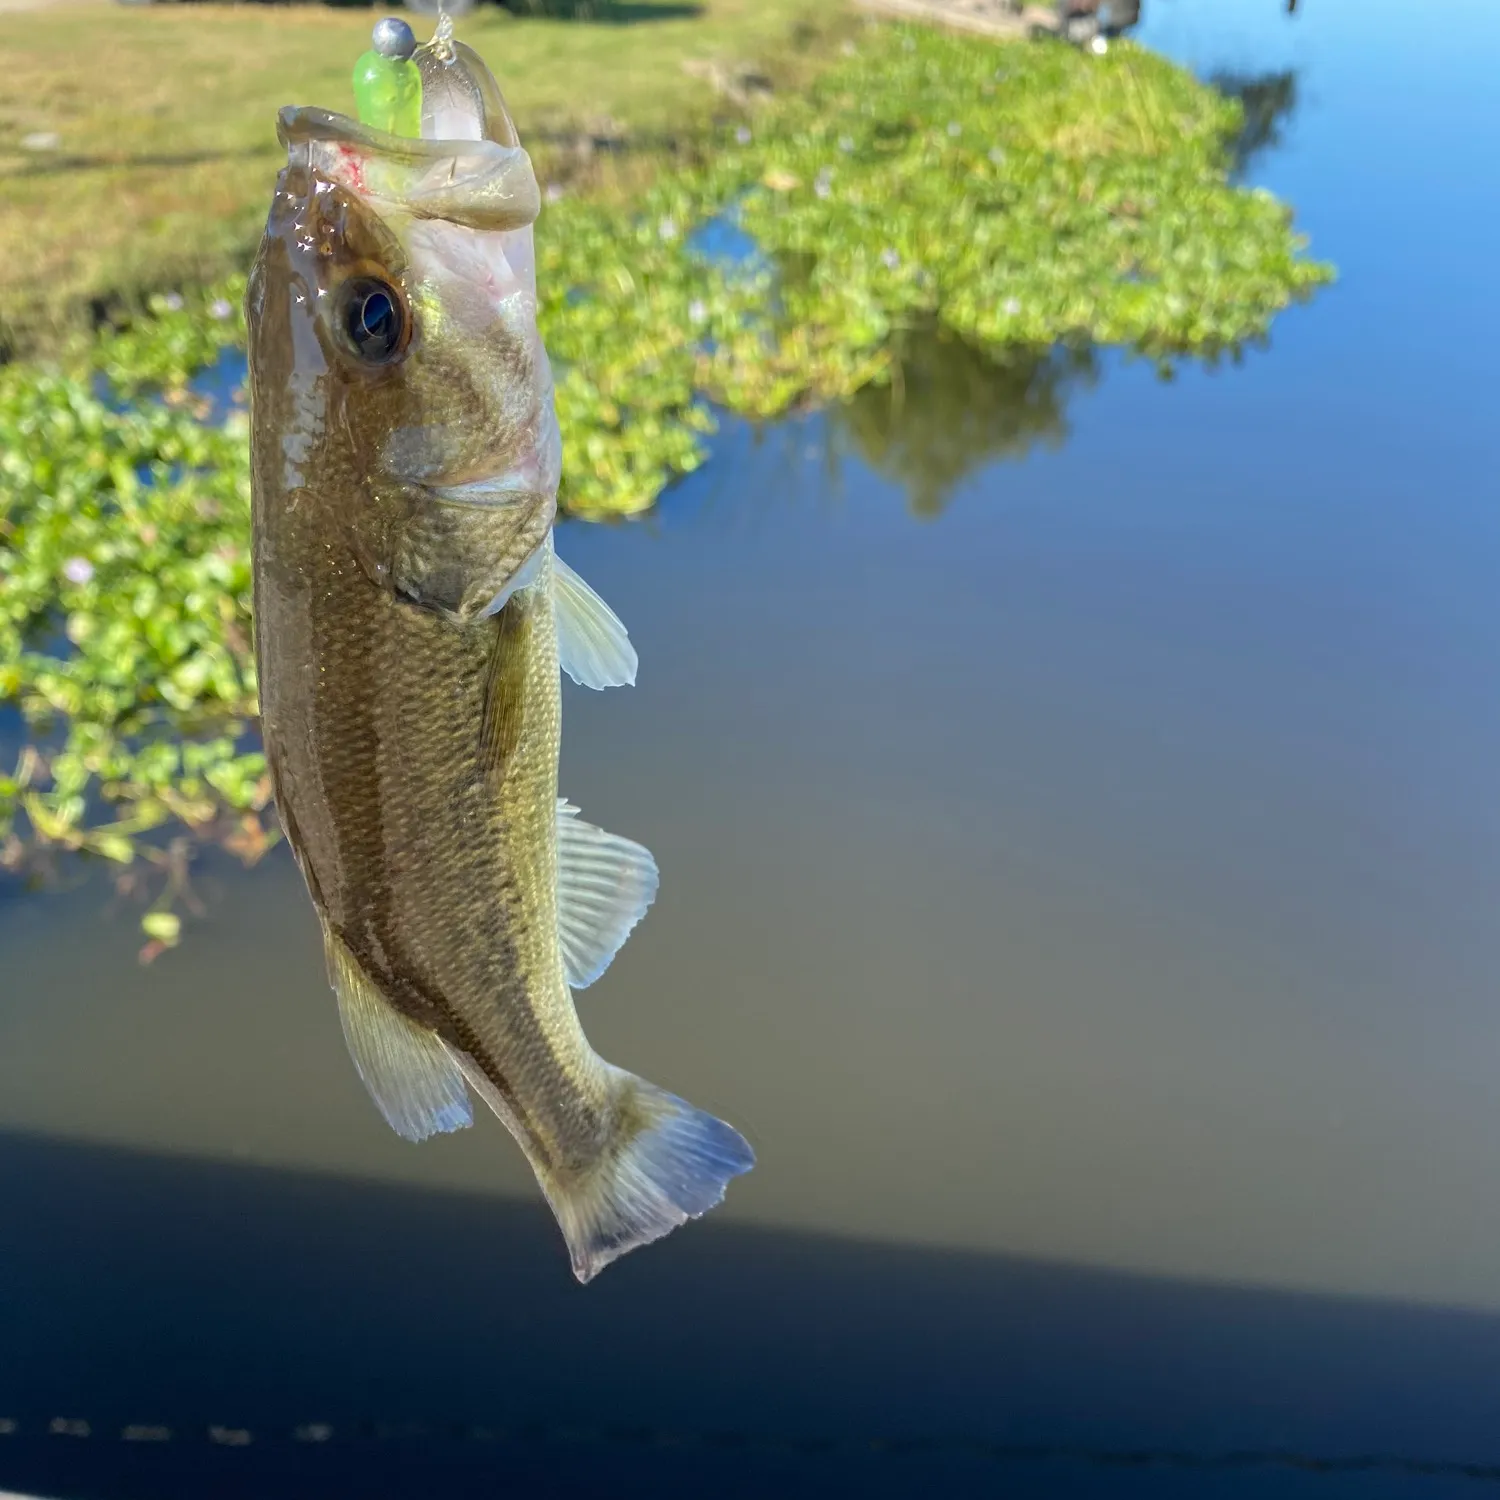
(1269, 101)
(952, 407)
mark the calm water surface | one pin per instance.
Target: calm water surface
(1076, 802)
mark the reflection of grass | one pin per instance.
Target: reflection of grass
(1268, 100)
(166, 120)
(950, 407)
(995, 202)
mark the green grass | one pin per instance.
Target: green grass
(165, 117)
(1027, 202)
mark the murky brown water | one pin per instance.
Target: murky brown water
(1076, 803)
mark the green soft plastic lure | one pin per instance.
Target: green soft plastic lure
(387, 83)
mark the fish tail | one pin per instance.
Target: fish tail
(667, 1163)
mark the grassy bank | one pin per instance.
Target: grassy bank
(137, 142)
(1014, 198)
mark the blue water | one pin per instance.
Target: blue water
(1076, 801)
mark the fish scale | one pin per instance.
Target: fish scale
(448, 882)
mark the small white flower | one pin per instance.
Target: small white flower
(954, 128)
(742, 135)
(172, 301)
(996, 155)
(889, 259)
(846, 144)
(823, 182)
(667, 229)
(697, 312)
(78, 570)
(1099, 46)
(220, 309)
(1010, 307)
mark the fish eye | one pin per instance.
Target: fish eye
(372, 317)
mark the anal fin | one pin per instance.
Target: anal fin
(411, 1077)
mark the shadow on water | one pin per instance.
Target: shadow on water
(951, 408)
(180, 1328)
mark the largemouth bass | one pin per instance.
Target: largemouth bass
(412, 620)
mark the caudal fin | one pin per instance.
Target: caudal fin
(670, 1164)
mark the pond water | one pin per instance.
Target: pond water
(1076, 798)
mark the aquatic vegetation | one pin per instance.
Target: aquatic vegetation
(124, 600)
(1050, 196)
(1016, 197)
(1019, 195)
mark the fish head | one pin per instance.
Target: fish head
(398, 381)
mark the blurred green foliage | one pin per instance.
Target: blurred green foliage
(1016, 198)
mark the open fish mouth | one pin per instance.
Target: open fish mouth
(307, 122)
(481, 184)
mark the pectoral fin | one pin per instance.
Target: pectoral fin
(502, 716)
(414, 1082)
(593, 647)
(604, 886)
